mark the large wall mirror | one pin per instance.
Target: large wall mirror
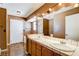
(72, 27)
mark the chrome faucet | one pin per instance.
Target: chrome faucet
(62, 42)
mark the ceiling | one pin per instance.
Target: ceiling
(21, 9)
(51, 15)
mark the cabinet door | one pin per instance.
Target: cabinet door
(38, 49)
(38, 52)
(29, 46)
(46, 52)
(56, 54)
(33, 48)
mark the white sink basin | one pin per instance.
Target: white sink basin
(56, 44)
(49, 41)
(64, 47)
(60, 46)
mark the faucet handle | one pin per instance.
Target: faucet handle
(62, 42)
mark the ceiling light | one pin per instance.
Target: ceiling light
(18, 12)
(76, 5)
(60, 4)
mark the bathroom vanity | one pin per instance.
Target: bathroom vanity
(35, 48)
(40, 45)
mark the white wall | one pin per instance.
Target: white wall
(72, 27)
(51, 26)
(16, 31)
(40, 25)
(27, 26)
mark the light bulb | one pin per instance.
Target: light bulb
(60, 4)
(50, 9)
(76, 5)
(43, 14)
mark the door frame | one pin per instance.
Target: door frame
(8, 35)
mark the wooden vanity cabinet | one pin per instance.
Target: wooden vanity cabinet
(29, 46)
(56, 54)
(33, 48)
(38, 49)
(46, 52)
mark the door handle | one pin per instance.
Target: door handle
(4, 30)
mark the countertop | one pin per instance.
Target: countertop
(45, 40)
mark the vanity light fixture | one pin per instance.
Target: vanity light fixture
(43, 14)
(50, 9)
(60, 4)
(76, 5)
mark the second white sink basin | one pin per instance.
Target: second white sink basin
(61, 46)
(64, 47)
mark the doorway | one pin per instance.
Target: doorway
(16, 31)
(16, 37)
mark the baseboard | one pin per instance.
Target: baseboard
(16, 43)
(26, 52)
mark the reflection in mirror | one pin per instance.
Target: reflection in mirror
(72, 27)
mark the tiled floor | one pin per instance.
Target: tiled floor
(17, 50)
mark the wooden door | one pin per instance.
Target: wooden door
(3, 41)
(46, 27)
